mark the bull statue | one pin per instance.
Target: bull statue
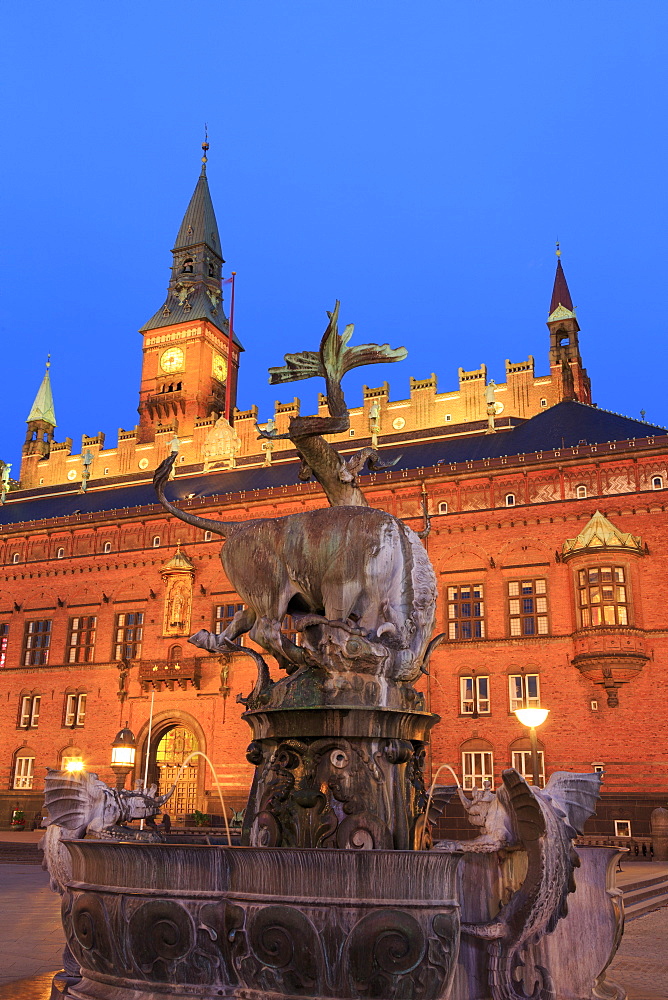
(357, 581)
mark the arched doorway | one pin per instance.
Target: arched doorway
(172, 748)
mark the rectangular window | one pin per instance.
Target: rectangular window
(522, 763)
(603, 597)
(4, 637)
(23, 772)
(29, 714)
(36, 643)
(477, 767)
(524, 691)
(81, 643)
(129, 630)
(527, 607)
(224, 615)
(75, 710)
(466, 612)
(622, 828)
(474, 695)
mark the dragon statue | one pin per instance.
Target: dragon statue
(543, 823)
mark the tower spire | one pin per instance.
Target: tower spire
(41, 420)
(565, 362)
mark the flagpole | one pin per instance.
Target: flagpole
(148, 749)
(230, 343)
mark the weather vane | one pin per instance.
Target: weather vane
(558, 250)
(205, 144)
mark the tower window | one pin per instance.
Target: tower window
(212, 270)
(657, 482)
(510, 499)
(60, 554)
(187, 266)
(581, 492)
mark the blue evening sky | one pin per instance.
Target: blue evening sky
(417, 160)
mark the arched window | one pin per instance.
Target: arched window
(443, 507)
(187, 266)
(581, 492)
(510, 499)
(15, 558)
(477, 763)
(208, 535)
(212, 270)
(175, 653)
(156, 541)
(106, 547)
(657, 482)
(543, 402)
(520, 759)
(71, 759)
(60, 553)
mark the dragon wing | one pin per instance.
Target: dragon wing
(576, 794)
(68, 799)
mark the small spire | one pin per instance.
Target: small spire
(42, 408)
(205, 146)
(560, 293)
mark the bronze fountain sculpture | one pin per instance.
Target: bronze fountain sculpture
(335, 891)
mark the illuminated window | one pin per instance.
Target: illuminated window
(443, 507)
(527, 607)
(70, 755)
(23, 772)
(129, 631)
(4, 639)
(466, 612)
(224, 615)
(474, 695)
(603, 596)
(522, 762)
(208, 535)
(477, 768)
(524, 691)
(36, 643)
(510, 499)
(581, 492)
(81, 642)
(29, 711)
(622, 828)
(75, 710)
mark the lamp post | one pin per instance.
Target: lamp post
(532, 718)
(123, 755)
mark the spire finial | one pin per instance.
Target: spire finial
(558, 250)
(48, 361)
(205, 146)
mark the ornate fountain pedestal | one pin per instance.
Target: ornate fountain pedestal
(346, 777)
(145, 920)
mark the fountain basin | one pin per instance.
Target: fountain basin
(259, 923)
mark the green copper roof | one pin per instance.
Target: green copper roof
(199, 223)
(42, 408)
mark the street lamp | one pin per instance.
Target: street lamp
(123, 755)
(74, 765)
(532, 718)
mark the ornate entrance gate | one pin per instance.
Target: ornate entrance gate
(172, 750)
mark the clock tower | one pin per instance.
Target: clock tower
(191, 363)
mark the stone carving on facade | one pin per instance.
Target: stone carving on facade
(222, 445)
(178, 574)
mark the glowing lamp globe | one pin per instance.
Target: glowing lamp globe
(74, 766)
(532, 717)
(123, 748)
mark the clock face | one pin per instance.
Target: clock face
(219, 367)
(172, 360)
